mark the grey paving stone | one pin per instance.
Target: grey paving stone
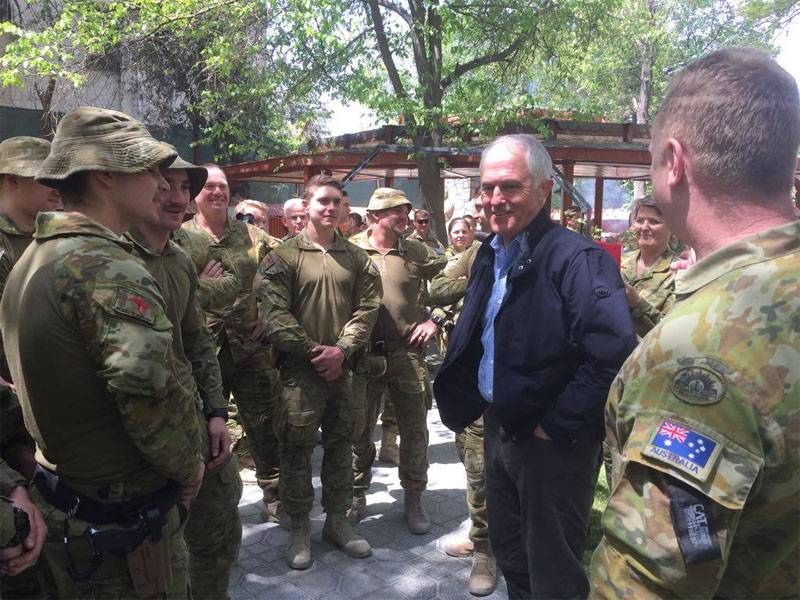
(403, 565)
(359, 583)
(416, 586)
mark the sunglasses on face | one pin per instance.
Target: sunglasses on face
(422, 221)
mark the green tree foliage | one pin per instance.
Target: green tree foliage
(223, 69)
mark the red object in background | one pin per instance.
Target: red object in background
(614, 249)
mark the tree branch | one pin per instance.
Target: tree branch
(383, 47)
(480, 61)
(396, 9)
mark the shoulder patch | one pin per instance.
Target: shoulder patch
(127, 303)
(683, 448)
(698, 385)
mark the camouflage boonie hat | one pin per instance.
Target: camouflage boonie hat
(22, 155)
(98, 139)
(384, 198)
(197, 175)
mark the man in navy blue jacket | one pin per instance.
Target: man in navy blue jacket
(544, 329)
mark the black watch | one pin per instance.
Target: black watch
(438, 319)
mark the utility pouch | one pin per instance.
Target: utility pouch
(150, 568)
(372, 366)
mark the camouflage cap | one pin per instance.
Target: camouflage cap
(384, 198)
(98, 139)
(197, 175)
(22, 155)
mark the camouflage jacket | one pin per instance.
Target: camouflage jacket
(246, 246)
(193, 347)
(656, 289)
(448, 287)
(308, 297)
(13, 243)
(90, 348)
(9, 479)
(212, 293)
(431, 242)
(703, 424)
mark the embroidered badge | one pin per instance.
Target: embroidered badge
(683, 448)
(129, 304)
(697, 385)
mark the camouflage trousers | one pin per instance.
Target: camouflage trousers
(469, 445)
(388, 418)
(214, 531)
(112, 578)
(307, 402)
(254, 385)
(406, 380)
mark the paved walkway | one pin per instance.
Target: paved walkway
(402, 565)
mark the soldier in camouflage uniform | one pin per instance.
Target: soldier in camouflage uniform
(242, 346)
(398, 341)
(89, 345)
(318, 299)
(22, 198)
(213, 529)
(650, 281)
(703, 418)
(447, 289)
(422, 232)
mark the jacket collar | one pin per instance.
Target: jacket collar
(531, 236)
(763, 246)
(57, 224)
(306, 244)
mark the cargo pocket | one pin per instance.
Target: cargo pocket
(299, 418)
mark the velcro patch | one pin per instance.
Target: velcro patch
(693, 524)
(683, 448)
(130, 304)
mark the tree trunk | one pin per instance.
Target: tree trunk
(431, 186)
(45, 95)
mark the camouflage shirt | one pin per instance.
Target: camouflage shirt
(431, 242)
(246, 246)
(656, 289)
(703, 424)
(308, 296)
(194, 349)
(213, 293)
(404, 270)
(90, 347)
(13, 243)
(9, 479)
(448, 287)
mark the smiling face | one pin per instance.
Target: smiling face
(650, 230)
(324, 206)
(461, 236)
(136, 196)
(173, 202)
(213, 199)
(510, 197)
(394, 220)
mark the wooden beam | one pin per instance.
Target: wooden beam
(598, 201)
(566, 202)
(388, 181)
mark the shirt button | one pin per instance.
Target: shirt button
(520, 267)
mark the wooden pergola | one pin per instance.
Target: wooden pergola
(578, 149)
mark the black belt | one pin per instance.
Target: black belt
(82, 507)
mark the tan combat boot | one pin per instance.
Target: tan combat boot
(483, 576)
(339, 531)
(358, 510)
(390, 451)
(460, 549)
(416, 517)
(298, 551)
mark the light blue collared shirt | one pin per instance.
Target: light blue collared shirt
(504, 257)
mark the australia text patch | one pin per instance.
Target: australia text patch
(683, 448)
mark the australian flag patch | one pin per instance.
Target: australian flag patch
(684, 448)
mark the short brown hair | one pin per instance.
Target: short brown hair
(647, 201)
(738, 114)
(318, 181)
